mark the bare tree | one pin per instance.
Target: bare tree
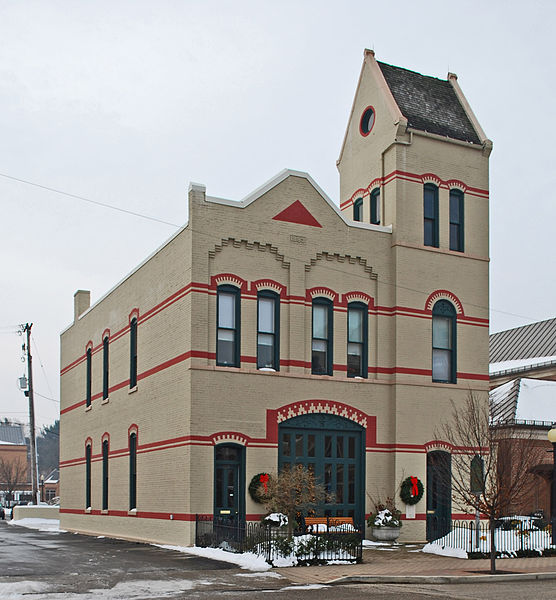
(506, 456)
(13, 473)
(293, 491)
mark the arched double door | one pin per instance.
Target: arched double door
(331, 447)
(439, 494)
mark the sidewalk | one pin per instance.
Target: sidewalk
(406, 564)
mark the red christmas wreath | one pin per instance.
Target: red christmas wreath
(411, 490)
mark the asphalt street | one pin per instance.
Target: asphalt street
(65, 566)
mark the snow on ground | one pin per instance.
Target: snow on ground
(371, 543)
(52, 525)
(247, 560)
(444, 550)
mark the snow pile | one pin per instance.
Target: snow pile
(435, 548)
(322, 528)
(40, 524)
(247, 560)
(276, 520)
(385, 518)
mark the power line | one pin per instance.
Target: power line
(34, 341)
(83, 199)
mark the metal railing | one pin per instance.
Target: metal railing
(272, 543)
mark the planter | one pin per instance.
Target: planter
(386, 534)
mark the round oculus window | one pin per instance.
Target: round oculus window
(367, 120)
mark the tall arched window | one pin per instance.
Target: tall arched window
(444, 340)
(357, 340)
(228, 322)
(133, 353)
(132, 471)
(268, 330)
(89, 377)
(88, 454)
(321, 347)
(105, 475)
(375, 206)
(358, 210)
(430, 213)
(456, 220)
(105, 367)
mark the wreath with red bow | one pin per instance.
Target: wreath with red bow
(258, 488)
(411, 490)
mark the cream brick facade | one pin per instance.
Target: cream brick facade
(184, 405)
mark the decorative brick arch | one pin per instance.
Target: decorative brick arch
(89, 442)
(268, 284)
(435, 445)
(456, 184)
(331, 407)
(105, 334)
(431, 178)
(229, 437)
(134, 314)
(321, 292)
(357, 297)
(89, 346)
(105, 438)
(444, 295)
(228, 279)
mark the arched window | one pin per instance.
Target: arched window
(133, 353)
(268, 330)
(430, 213)
(105, 366)
(444, 342)
(228, 331)
(88, 453)
(132, 471)
(358, 210)
(89, 377)
(105, 475)
(456, 220)
(375, 206)
(321, 347)
(357, 340)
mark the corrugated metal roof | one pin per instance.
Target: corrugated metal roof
(528, 341)
(429, 104)
(12, 434)
(503, 401)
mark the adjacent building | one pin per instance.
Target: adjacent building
(286, 328)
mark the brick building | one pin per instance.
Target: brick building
(285, 329)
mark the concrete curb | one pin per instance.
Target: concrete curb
(438, 579)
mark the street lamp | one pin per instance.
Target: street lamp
(552, 439)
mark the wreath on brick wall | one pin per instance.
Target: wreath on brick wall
(411, 490)
(258, 488)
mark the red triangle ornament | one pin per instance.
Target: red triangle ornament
(297, 213)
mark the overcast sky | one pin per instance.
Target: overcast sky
(126, 102)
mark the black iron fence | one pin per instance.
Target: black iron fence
(273, 543)
(511, 536)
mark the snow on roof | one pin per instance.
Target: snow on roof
(509, 365)
(524, 400)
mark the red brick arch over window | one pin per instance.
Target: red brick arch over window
(304, 407)
(444, 295)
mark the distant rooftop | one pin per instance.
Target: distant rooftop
(429, 104)
(11, 434)
(524, 400)
(526, 342)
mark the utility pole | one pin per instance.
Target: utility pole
(34, 471)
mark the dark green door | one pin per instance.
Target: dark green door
(439, 494)
(229, 476)
(332, 448)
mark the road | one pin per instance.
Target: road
(64, 566)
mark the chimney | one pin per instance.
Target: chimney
(81, 302)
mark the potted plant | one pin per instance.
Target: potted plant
(385, 521)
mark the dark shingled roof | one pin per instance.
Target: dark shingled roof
(529, 341)
(13, 434)
(429, 104)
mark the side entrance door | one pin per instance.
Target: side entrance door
(439, 494)
(229, 482)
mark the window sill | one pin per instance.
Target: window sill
(132, 512)
(104, 511)
(88, 510)
(88, 408)
(105, 401)
(132, 390)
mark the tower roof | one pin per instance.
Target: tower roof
(429, 104)
(11, 433)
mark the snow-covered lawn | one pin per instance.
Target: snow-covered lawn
(52, 525)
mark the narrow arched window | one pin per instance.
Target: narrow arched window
(375, 206)
(456, 220)
(321, 347)
(89, 377)
(358, 210)
(228, 326)
(105, 368)
(444, 342)
(133, 353)
(268, 330)
(105, 475)
(88, 476)
(357, 340)
(430, 213)
(132, 471)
